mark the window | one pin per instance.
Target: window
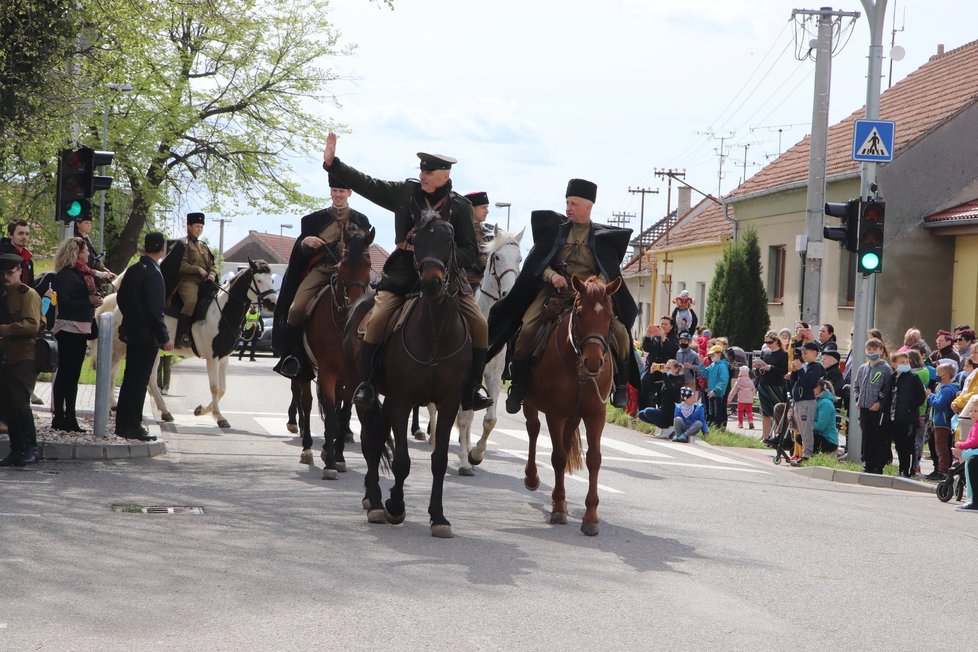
(775, 273)
(700, 299)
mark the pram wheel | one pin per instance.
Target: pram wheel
(945, 489)
(777, 459)
(959, 493)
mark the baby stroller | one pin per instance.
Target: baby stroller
(947, 488)
(782, 435)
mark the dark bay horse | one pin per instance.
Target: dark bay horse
(571, 383)
(323, 336)
(426, 360)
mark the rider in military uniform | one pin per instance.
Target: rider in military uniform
(563, 247)
(188, 264)
(315, 258)
(483, 234)
(408, 200)
(20, 322)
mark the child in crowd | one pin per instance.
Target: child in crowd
(717, 375)
(683, 313)
(870, 388)
(688, 419)
(687, 359)
(967, 450)
(901, 410)
(742, 393)
(667, 398)
(825, 429)
(703, 340)
(805, 373)
(940, 404)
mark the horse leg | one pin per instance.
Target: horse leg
(222, 387)
(416, 430)
(594, 425)
(440, 527)
(373, 434)
(331, 434)
(345, 411)
(291, 424)
(301, 390)
(433, 423)
(154, 391)
(558, 499)
(494, 384)
(397, 413)
(464, 424)
(531, 479)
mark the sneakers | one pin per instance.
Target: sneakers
(750, 426)
(968, 507)
(797, 460)
(935, 475)
(682, 439)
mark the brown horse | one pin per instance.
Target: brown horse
(323, 341)
(571, 383)
(426, 360)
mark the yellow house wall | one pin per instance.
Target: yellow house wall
(690, 266)
(964, 296)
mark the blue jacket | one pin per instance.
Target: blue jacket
(941, 402)
(825, 418)
(697, 415)
(717, 376)
(804, 380)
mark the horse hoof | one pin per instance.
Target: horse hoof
(341, 467)
(292, 427)
(590, 529)
(223, 424)
(322, 456)
(442, 531)
(376, 516)
(199, 410)
(167, 417)
(558, 518)
(420, 435)
(365, 503)
(394, 520)
(306, 457)
(466, 471)
(475, 460)
(348, 438)
(532, 485)
(330, 474)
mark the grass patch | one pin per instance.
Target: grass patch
(620, 417)
(832, 461)
(87, 376)
(721, 437)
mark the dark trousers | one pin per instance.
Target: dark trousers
(132, 394)
(718, 411)
(823, 445)
(16, 384)
(248, 338)
(902, 435)
(876, 444)
(71, 355)
(650, 384)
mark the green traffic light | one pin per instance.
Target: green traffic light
(74, 209)
(870, 261)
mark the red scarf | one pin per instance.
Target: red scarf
(89, 277)
(25, 266)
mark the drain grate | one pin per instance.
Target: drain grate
(157, 509)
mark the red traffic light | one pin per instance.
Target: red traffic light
(873, 213)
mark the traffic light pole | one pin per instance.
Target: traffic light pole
(864, 315)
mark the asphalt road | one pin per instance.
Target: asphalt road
(700, 548)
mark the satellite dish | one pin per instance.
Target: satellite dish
(897, 53)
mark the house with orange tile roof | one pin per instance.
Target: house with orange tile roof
(930, 261)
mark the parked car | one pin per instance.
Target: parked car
(265, 341)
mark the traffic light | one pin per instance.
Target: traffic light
(847, 234)
(870, 251)
(77, 182)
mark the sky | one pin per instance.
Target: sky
(529, 94)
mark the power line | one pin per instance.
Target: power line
(620, 219)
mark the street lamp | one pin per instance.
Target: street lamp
(506, 205)
(122, 88)
(283, 226)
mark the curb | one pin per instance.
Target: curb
(865, 479)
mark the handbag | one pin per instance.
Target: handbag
(93, 335)
(46, 352)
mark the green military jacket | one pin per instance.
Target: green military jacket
(20, 322)
(404, 199)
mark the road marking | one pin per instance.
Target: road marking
(275, 427)
(694, 465)
(26, 481)
(576, 478)
(695, 451)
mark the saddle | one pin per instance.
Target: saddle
(206, 293)
(555, 307)
(398, 319)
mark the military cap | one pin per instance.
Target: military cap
(9, 262)
(478, 198)
(195, 218)
(432, 162)
(582, 188)
(334, 182)
(153, 242)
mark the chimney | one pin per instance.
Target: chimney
(685, 193)
(940, 49)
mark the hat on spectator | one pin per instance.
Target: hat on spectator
(154, 242)
(9, 262)
(810, 346)
(832, 353)
(716, 348)
(686, 392)
(685, 336)
(967, 334)
(707, 332)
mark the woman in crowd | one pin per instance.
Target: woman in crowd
(919, 430)
(912, 338)
(77, 299)
(771, 368)
(661, 343)
(902, 409)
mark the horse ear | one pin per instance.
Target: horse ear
(520, 236)
(577, 284)
(370, 236)
(613, 287)
(495, 230)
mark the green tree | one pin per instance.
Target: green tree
(718, 290)
(737, 307)
(755, 318)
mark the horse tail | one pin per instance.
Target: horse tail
(573, 456)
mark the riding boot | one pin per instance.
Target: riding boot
(518, 371)
(619, 398)
(290, 364)
(182, 339)
(29, 453)
(472, 398)
(16, 455)
(366, 396)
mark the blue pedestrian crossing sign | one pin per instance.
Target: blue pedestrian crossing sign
(872, 140)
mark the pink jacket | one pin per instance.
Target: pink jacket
(972, 440)
(743, 391)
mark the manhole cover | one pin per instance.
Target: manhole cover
(157, 509)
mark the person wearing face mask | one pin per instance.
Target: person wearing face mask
(717, 375)
(871, 387)
(688, 359)
(900, 410)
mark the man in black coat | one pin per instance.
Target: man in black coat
(564, 246)
(143, 329)
(18, 233)
(315, 258)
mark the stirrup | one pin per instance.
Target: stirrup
(366, 396)
(514, 402)
(619, 397)
(288, 367)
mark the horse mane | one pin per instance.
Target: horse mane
(501, 240)
(261, 267)
(357, 247)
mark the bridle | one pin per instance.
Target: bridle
(341, 292)
(578, 343)
(496, 277)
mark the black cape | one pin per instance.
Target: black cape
(170, 265)
(311, 224)
(550, 230)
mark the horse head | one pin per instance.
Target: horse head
(261, 290)
(353, 275)
(503, 258)
(591, 321)
(434, 247)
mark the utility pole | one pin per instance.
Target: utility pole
(730, 134)
(620, 219)
(814, 247)
(641, 219)
(669, 174)
(864, 311)
(220, 246)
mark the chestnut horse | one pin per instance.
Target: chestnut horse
(571, 383)
(323, 335)
(426, 360)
